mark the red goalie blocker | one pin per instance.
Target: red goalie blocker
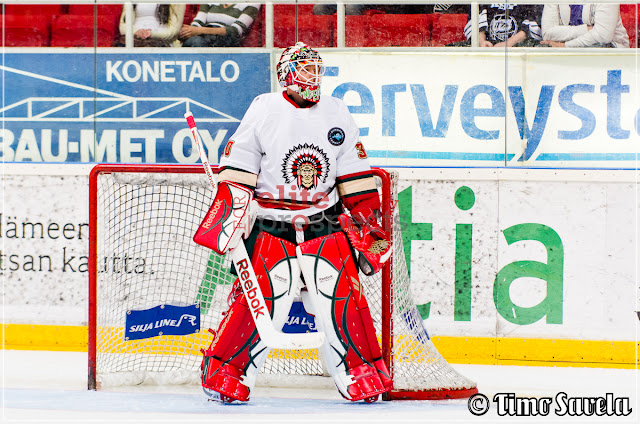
(227, 220)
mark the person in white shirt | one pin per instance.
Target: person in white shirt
(588, 25)
(154, 25)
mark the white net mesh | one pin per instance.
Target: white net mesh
(146, 257)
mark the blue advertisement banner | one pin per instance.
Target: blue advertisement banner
(556, 111)
(299, 321)
(162, 320)
(124, 108)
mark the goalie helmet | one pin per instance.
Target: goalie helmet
(300, 69)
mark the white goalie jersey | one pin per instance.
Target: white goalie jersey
(300, 160)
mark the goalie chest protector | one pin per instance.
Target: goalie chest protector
(297, 153)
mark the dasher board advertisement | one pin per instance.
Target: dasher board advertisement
(124, 107)
(473, 109)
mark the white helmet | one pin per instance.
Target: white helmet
(295, 59)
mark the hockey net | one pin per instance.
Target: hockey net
(141, 256)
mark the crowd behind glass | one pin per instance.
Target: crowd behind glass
(242, 25)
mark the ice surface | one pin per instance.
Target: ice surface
(51, 387)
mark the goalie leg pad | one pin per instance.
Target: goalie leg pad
(351, 349)
(236, 353)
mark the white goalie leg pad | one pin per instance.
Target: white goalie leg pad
(278, 274)
(259, 353)
(325, 265)
(351, 349)
(336, 368)
(332, 349)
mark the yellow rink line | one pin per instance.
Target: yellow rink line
(461, 350)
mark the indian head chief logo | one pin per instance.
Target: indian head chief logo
(305, 165)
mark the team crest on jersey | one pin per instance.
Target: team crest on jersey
(336, 136)
(305, 165)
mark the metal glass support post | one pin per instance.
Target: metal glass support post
(475, 33)
(268, 17)
(340, 24)
(128, 10)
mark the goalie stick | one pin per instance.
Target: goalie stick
(270, 336)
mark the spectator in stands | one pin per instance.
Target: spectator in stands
(589, 25)
(154, 25)
(506, 25)
(219, 25)
(445, 8)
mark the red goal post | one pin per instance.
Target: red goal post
(148, 214)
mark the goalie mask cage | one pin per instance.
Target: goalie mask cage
(141, 255)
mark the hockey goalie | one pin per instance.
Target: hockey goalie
(288, 176)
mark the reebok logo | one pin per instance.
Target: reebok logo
(251, 288)
(212, 214)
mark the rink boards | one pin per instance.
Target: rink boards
(508, 262)
(527, 266)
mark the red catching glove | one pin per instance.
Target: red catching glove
(369, 239)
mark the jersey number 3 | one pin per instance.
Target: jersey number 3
(362, 154)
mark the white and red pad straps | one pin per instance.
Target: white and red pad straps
(228, 220)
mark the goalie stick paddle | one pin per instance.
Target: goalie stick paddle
(270, 336)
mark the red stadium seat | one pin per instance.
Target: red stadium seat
(630, 14)
(34, 9)
(315, 30)
(355, 29)
(305, 9)
(448, 28)
(78, 31)
(81, 9)
(390, 30)
(103, 9)
(110, 9)
(26, 30)
(290, 9)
